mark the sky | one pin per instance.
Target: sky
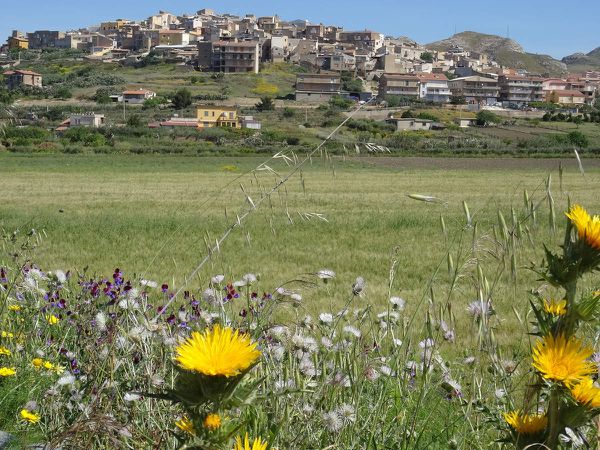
(549, 26)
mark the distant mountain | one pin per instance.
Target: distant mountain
(583, 61)
(506, 52)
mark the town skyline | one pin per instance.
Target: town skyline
(532, 35)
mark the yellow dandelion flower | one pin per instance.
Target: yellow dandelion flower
(596, 293)
(37, 362)
(586, 393)
(59, 369)
(588, 227)
(562, 359)
(48, 365)
(220, 351)
(186, 425)
(14, 308)
(555, 307)
(526, 423)
(7, 371)
(52, 319)
(212, 421)
(7, 335)
(258, 444)
(29, 416)
(4, 351)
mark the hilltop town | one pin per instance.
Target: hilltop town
(232, 69)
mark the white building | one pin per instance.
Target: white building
(434, 87)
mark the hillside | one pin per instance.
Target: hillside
(583, 61)
(506, 52)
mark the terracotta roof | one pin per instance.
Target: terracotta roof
(432, 76)
(22, 72)
(567, 93)
(139, 91)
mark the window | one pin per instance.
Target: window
(205, 113)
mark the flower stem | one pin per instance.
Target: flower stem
(553, 429)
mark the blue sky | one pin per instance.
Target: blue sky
(550, 27)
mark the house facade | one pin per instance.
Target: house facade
(217, 116)
(405, 85)
(433, 87)
(86, 120)
(16, 79)
(317, 87)
(567, 97)
(137, 97)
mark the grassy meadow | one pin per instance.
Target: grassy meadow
(472, 237)
(152, 216)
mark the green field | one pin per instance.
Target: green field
(151, 216)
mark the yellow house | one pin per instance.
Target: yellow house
(18, 43)
(116, 25)
(217, 116)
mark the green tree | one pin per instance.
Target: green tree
(458, 100)
(487, 117)
(134, 121)
(182, 99)
(427, 57)
(63, 93)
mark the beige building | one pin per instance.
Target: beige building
(22, 78)
(218, 116)
(411, 124)
(399, 84)
(86, 120)
(566, 97)
(317, 87)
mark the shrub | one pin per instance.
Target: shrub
(339, 102)
(487, 117)
(288, 112)
(578, 138)
(428, 116)
(265, 104)
(182, 99)
(63, 93)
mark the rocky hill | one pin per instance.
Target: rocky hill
(506, 52)
(582, 61)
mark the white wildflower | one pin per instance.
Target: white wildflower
(371, 374)
(333, 422)
(278, 352)
(307, 367)
(347, 412)
(66, 380)
(182, 315)
(279, 332)
(217, 279)
(296, 297)
(508, 365)
(239, 283)
(131, 397)
(249, 278)
(397, 303)
(61, 277)
(479, 308)
(149, 284)
(326, 274)
(349, 329)
(426, 343)
(101, 321)
(326, 343)
(397, 342)
(211, 296)
(386, 370)
(500, 393)
(326, 318)
(157, 380)
(469, 360)
(358, 286)
(308, 409)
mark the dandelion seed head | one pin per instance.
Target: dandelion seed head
(149, 284)
(397, 342)
(500, 393)
(398, 303)
(386, 370)
(346, 412)
(249, 278)
(211, 296)
(217, 279)
(479, 308)
(469, 360)
(66, 380)
(131, 397)
(353, 331)
(358, 286)
(101, 321)
(427, 343)
(326, 318)
(332, 421)
(326, 343)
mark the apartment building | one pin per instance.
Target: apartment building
(405, 85)
(433, 87)
(475, 89)
(369, 41)
(312, 87)
(44, 38)
(519, 90)
(228, 56)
